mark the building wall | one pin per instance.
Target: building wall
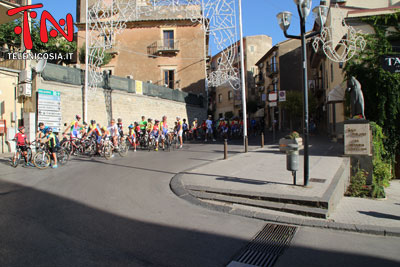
(370, 3)
(8, 80)
(106, 104)
(227, 104)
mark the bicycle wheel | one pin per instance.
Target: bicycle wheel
(107, 151)
(15, 160)
(150, 145)
(62, 156)
(123, 149)
(41, 160)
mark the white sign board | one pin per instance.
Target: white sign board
(282, 96)
(273, 104)
(49, 109)
(272, 96)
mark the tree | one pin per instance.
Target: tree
(55, 45)
(381, 88)
(82, 53)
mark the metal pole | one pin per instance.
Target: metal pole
(243, 75)
(305, 83)
(262, 139)
(86, 63)
(225, 149)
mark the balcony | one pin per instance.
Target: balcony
(272, 69)
(164, 47)
(259, 79)
(6, 5)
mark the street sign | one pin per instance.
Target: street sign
(264, 97)
(49, 109)
(282, 96)
(272, 96)
(273, 104)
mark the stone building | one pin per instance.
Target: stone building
(279, 70)
(224, 100)
(326, 77)
(166, 49)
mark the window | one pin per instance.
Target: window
(220, 98)
(230, 95)
(252, 48)
(168, 36)
(169, 78)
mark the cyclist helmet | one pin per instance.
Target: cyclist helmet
(92, 122)
(130, 126)
(178, 118)
(104, 128)
(149, 119)
(156, 121)
(78, 117)
(119, 120)
(49, 130)
(135, 123)
(20, 128)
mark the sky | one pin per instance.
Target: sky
(259, 16)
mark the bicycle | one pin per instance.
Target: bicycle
(16, 159)
(42, 158)
(108, 148)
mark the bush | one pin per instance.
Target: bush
(358, 185)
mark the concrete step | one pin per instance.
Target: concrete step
(273, 204)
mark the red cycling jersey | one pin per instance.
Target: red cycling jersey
(21, 139)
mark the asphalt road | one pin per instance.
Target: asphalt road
(121, 212)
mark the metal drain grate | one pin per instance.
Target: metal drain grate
(317, 180)
(266, 247)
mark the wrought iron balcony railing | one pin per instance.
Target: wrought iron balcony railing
(272, 69)
(163, 46)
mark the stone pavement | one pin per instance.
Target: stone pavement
(263, 171)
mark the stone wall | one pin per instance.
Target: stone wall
(107, 104)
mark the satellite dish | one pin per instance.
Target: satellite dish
(40, 65)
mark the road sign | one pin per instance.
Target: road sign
(49, 109)
(273, 104)
(272, 97)
(282, 96)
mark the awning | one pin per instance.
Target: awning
(260, 113)
(336, 94)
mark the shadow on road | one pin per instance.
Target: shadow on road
(380, 215)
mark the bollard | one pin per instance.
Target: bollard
(225, 149)
(246, 144)
(262, 140)
(292, 159)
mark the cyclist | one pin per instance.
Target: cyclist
(22, 144)
(75, 128)
(113, 129)
(179, 130)
(209, 130)
(164, 131)
(132, 136)
(150, 125)
(96, 131)
(120, 129)
(92, 126)
(104, 132)
(155, 133)
(41, 131)
(137, 128)
(143, 125)
(185, 129)
(194, 128)
(50, 139)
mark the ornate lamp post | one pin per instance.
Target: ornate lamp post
(284, 20)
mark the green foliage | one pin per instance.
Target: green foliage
(82, 53)
(252, 107)
(294, 103)
(381, 88)
(228, 115)
(358, 187)
(292, 135)
(55, 45)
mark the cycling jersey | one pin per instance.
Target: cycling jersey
(149, 126)
(20, 139)
(185, 126)
(164, 128)
(194, 125)
(75, 129)
(120, 130)
(52, 140)
(209, 124)
(44, 130)
(155, 131)
(143, 125)
(179, 126)
(113, 129)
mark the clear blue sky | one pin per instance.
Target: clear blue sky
(259, 16)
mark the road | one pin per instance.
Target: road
(121, 212)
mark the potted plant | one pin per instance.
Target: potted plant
(292, 138)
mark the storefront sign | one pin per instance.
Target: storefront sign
(357, 139)
(391, 63)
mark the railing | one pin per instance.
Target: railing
(18, 2)
(272, 69)
(163, 46)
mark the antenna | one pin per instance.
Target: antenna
(40, 65)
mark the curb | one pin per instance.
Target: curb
(179, 189)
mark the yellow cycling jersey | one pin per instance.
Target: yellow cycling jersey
(149, 126)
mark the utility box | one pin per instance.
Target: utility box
(292, 157)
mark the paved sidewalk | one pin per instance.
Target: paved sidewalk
(264, 172)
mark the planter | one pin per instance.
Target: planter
(283, 142)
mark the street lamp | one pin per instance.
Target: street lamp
(284, 20)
